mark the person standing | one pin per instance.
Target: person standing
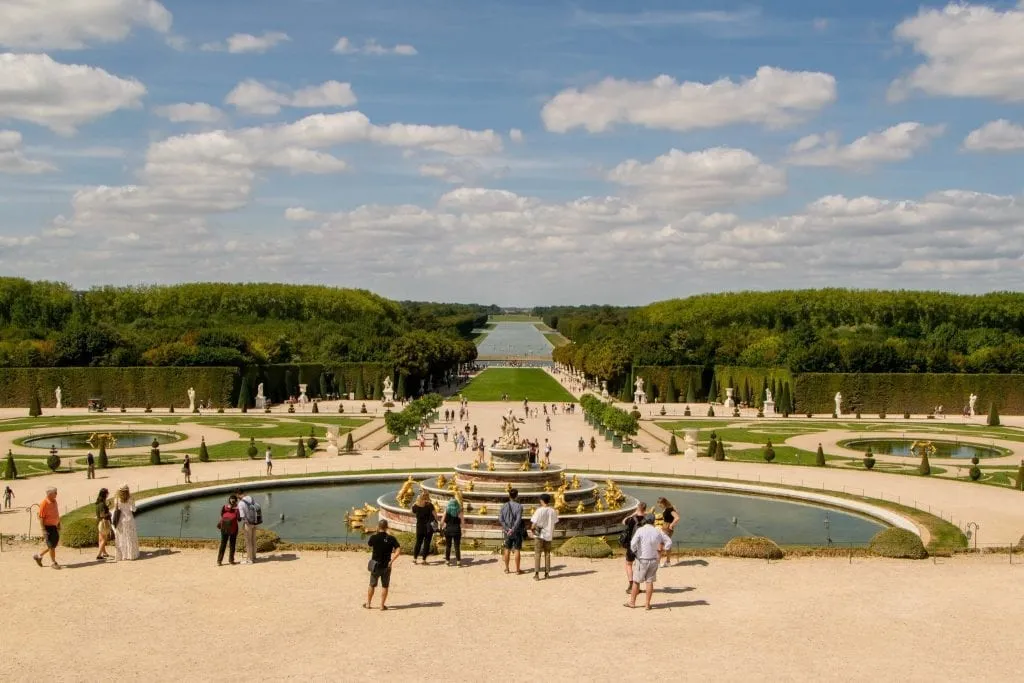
(593, 445)
(8, 496)
(426, 525)
(511, 517)
(126, 533)
(384, 550)
(247, 515)
(437, 443)
(547, 452)
(228, 526)
(269, 462)
(580, 445)
(543, 526)
(632, 522)
(648, 543)
(446, 433)
(670, 517)
(49, 520)
(103, 528)
(186, 469)
(452, 528)
(90, 466)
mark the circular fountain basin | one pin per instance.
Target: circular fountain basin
(80, 440)
(957, 450)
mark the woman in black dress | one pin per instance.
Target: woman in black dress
(671, 518)
(426, 525)
(453, 532)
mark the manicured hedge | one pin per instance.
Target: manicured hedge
(657, 378)
(141, 386)
(366, 380)
(754, 547)
(917, 393)
(584, 546)
(898, 543)
(755, 377)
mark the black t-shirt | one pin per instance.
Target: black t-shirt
(669, 515)
(382, 544)
(424, 515)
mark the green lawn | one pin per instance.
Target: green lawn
(556, 339)
(519, 383)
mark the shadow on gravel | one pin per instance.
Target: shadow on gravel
(679, 603)
(416, 605)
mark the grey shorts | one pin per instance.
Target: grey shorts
(645, 571)
(383, 575)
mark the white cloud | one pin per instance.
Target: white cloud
(35, 88)
(773, 97)
(714, 177)
(253, 97)
(996, 136)
(197, 112)
(968, 50)
(344, 46)
(12, 157)
(896, 143)
(244, 43)
(515, 135)
(75, 24)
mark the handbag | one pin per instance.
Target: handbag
(434, 526)
(371, 566)
(117, 517)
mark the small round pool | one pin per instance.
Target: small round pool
(943, 449)
(85, 440)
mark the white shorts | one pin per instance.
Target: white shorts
(645, 571)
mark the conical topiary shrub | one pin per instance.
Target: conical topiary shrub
(349, 443)
(768, 452)
(102, 461)
(712, 445)
(819, 457)
(244, 396)
(11, 468)
(53, 462)
(1020, 475)
(300, 452)
(315, 409)
(673, 447)
(711, 411)
(869, 459)
(204, 455)
(34, 408)
(719, 451)
(252, 451)
(993, 415)
(154, 452)
(925, 468)
(312, 441)
(687, 411)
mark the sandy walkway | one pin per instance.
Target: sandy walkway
(178, 617)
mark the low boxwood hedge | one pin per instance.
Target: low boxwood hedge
(266, 541)
(584, 546)
(757, 547)
(898, 543)
(80, 533)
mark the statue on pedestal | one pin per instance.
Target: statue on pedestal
(639, 395)
(59, 395)
(389, 390)
(509, 431)
(191, 399)
(839, 403)
(971, 403)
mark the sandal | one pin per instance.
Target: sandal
(507, 571)
(384, 608)
(366, 606)
(626, 604)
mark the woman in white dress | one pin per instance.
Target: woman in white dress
(126, 533)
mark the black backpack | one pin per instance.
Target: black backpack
(627, 535)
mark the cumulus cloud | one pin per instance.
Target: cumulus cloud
(773, 97)
(344, 46)
(12, 157)
(515, 135)
(996, 136)
(253, 97)
(196, 112)
(968, 51)
(714, 177)
(76, 24)
(243, 43)
(35, 88)
(896, 143)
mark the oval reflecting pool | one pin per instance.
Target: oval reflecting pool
(86, 440)
(317, 514)
(943, 449)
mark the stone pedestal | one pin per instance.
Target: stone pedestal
(730, 402)
(690, 437)
(769, 407)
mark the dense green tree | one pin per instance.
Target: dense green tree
(819, 457)
(102, 460)
(244, 396)
(993, 415)
(34, 409)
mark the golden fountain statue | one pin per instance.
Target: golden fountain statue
(490, 465)
(96, 440)
(469, 485)
(575, 481)
(483, 510)
(441, 481)
(560, 505)
(405, 494)
(475, 465)
(525, 467)
(580, 508)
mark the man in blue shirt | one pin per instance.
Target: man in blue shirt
(511, 517)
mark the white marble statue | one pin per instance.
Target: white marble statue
(971, 402)
(639, 396)
(768, 396)
(389, 390)
(191, 399)
(303, 399)
(261, 400)
(259, 391)
(839, 403)
(59, 395)
(604, 389)
(730, 401)
(509, 431)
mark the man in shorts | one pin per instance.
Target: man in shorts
(543, 524)
(511, 517)
(49, 519)
(384, 549)
(632, 523)
(647, 545)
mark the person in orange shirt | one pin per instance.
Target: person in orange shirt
(49, 518)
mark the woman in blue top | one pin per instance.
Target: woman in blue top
(452, 528)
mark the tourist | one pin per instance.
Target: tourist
(186, 469)
(49, 519)
(545, 406)
(269, 462)
(543, 527)
(511, 517)
(452, 528)
(581, 444)
(547, 422)
(247, 515)
(426, 525)
(384, 549)
(547, 452)
(647, 545)
(228, 526)
(126, 533)
(670, 518)
(445, 433)
(90, 466)
(423, 441)
(103, 527)
(437, 443)
(593, 445)
(8, 497)
(632, 522)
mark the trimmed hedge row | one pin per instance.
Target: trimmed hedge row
(365, 380)
(154, 386)
(657, 381)
(741, 376)
(913, 392)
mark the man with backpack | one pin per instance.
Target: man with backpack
(511, 517)
(626, 539)
(251, 514)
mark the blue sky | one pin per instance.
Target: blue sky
(514, 152)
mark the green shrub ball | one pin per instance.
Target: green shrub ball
(584, 546)
(898, 543)
(756, 547)
(80, 533)
(266, 541)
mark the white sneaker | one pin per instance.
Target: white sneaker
(246, 562)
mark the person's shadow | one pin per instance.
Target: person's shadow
(284, 557)
(691, 563)
(566, 575)
(679, 603)
(672, 590)
(416, 605)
